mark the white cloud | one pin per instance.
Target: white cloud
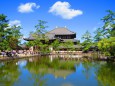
(15, 22)
(63, 9)
(28, 7)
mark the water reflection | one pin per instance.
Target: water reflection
(66, 56)
(51, 66)
(45, 71)
(21, 63)
(106, 74)
(9, 73)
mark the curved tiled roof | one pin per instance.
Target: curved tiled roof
(57, 31)
(61, 31)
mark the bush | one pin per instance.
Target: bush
(107, 46)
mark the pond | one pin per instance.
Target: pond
(43, 71)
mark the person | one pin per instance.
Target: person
(3, 53)
(9, 54)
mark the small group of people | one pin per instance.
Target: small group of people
(18, 53)
(9, 53)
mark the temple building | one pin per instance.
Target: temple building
(63, 34)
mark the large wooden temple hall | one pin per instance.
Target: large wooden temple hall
(62, 33)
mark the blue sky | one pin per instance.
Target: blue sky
(76, 15)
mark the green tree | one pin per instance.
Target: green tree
(14, 36)
(30, 43)
(9, 35)
(3, 32)
(109, 24)
(69, 45)
(87, 41)
(98, 35)
(87, 36)
(55, 44)
(40, 40)
(107, 46)
(41, 27)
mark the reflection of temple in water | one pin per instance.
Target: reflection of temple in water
(65, 56)
(57, 73)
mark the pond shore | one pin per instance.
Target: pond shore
(62, 55)
(19, 56)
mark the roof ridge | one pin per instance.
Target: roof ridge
(60, 28)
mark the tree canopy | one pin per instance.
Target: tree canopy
(9, 35)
